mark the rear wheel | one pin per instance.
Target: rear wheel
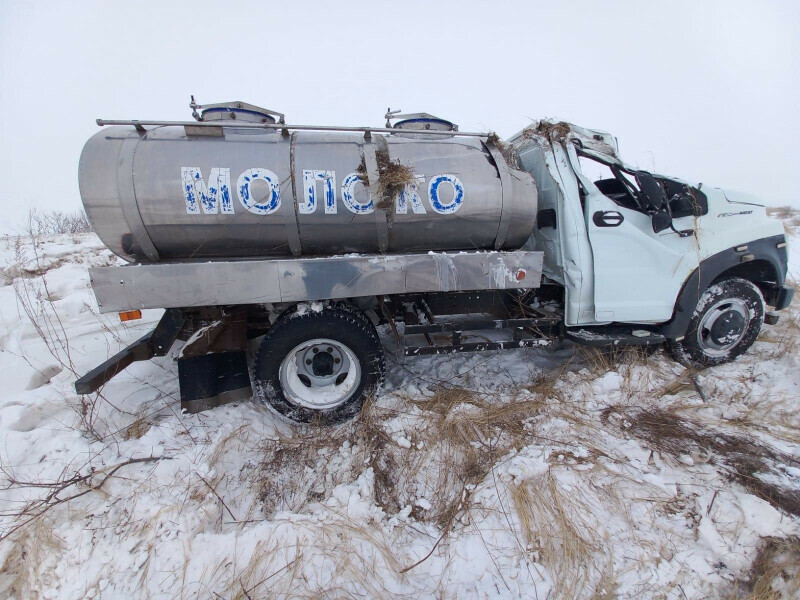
(724, 325)
(319, 365)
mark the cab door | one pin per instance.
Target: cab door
(637, 273)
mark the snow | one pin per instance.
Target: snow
(531, 476)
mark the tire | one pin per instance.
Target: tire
(319, 365)
(724, 325)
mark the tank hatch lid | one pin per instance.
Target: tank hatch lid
(239, 111)
(421, 120)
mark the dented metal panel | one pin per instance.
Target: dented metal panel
(185, 284)
(599, 141)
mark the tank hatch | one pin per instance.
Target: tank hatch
(235, 111)
(420, 120)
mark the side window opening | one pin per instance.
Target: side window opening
(684, 200)
(612, 182)
(621, 187)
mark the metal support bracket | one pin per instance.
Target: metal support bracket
(156, 343)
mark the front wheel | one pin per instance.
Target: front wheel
(319, 365)
(724, 325)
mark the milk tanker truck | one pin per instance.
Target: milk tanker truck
(277, 251)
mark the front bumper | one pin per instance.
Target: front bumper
(784, 297)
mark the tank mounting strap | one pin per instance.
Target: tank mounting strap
(290, 215)
(507, 191)
(373, 176)
(141, 244)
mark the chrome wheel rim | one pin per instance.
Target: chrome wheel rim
(320, 374)
(723, 326)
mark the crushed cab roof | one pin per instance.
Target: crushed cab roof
(601, 142)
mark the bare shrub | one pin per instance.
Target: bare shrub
(63, 490)
(57, 222)
(38, 303)
(35, 300)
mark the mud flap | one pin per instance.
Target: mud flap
(213, 380)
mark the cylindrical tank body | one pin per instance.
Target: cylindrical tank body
(176, 193)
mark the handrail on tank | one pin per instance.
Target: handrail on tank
(140, 124)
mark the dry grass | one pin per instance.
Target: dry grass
(507, 150)
(775, 574)
(554, 132)
(393, 177)
(789, 215)
(558, 528)
(138, 427)
(20, 575)
(459, 435)
(743, 460)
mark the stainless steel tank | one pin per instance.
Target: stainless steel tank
(177, 192)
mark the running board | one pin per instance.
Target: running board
(614, 335)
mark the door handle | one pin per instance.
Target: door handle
(608, 218)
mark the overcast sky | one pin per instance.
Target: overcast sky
(707, 91)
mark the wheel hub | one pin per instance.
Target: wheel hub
(322, 364)
(320, 374)
(723, 326)
(729, 325)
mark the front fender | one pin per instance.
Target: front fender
(762, 261)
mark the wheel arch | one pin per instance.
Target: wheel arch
(761, 262)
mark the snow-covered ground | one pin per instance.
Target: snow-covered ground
(550, 473)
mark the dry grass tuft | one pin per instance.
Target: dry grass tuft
(554, 132)
(281, 482)
(20, 576)
(138, 428)
(775, 573)
(458, 436)
(744, 460)
(507, 150)
(789, 215)
(557, 526)
(781, 212)
(393, 177)
(466, 434)
(603, 360)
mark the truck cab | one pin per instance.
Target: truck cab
(636, 248)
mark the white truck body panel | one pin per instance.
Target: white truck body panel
(626, 273)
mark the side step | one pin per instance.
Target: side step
(613, 335)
